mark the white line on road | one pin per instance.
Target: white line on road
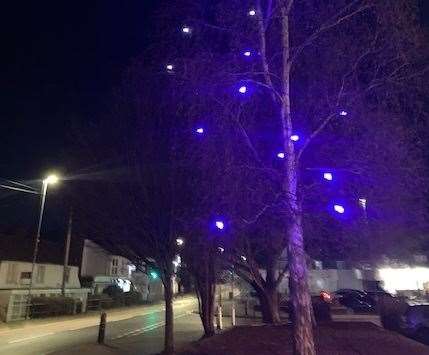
(29, 338)
(148, 328)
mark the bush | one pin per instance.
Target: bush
(51, 306)
(391, 310)
(132, 298)
(321, 309)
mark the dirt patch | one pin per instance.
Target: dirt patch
(335, 338)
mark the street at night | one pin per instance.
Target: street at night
(206, 177)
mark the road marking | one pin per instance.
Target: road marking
(148, 328)
(29, 338)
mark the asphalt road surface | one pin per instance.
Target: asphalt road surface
(136, 330)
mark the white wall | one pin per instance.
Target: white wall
(98, 262)
(95, 260)
(53, 276)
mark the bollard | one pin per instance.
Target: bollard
(219, 318)
(233, 315)
(246, 307)
(102, 328)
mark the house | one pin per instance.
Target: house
(103, 268)
(15, 274)
(15, 280)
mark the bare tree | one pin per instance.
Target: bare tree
(311, 66)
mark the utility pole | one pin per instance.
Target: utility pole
(67, 252)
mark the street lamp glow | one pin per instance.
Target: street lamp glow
(221, 249)
(281, 155)
(169, 67)
(328, 176)
(243, 258)
(51, 179)
(252, 12)
(200, 130)
(339, 209)
(154, 275)
(242, 89)
(186, 29)
(343, 113)
(247, 53)
(219, 225)
(294, 138)
(180, 241)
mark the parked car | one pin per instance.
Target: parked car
(415, 323)
(357, 300)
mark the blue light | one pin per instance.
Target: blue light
(343, 113)
(281, 155)
(242, 89)
(169, 67)
(186, 29)
(294, 138)
(252, 12)
(328, 176)
(219, 225)
(339, 209)
(247, 53)
(200, 130)
(154, 275)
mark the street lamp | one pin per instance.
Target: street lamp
(49, 180)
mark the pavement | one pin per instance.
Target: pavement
(134, 330)
(131, 330)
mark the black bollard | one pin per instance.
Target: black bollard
(102, 328)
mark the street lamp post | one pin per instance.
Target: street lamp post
(51, 179)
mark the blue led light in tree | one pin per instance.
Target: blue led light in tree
(328, 176)
(339, 209)
(242, 90)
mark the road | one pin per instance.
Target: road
(139, 330)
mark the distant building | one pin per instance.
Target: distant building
(103, 268)
(15, 274)
(15, 280)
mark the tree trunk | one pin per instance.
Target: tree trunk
(269, 301)
(299, 292)
(206, 295)
(169, 316)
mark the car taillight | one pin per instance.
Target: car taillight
(326, 296)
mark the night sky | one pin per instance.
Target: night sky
(59, 62)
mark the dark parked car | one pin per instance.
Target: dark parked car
(415, 323)
(358, 301)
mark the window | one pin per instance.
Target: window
(12, 273)
(40, 275)
(25, 275)
(114, 266)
